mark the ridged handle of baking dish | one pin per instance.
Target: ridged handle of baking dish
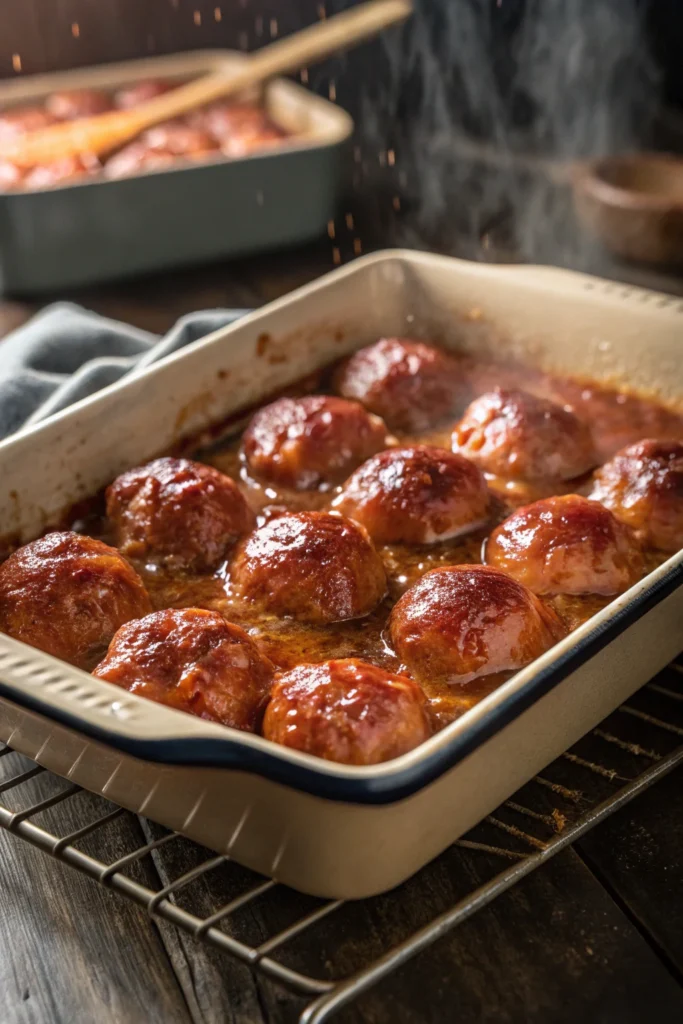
(575, 281)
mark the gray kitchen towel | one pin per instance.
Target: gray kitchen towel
(67, 352)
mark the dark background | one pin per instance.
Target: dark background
(540, 79)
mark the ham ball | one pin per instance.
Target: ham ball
(643, 486)
(192, 660)
(417, 495)
(304, 443)
(412, 386)
(466, 621)
(566, 545)
(67, 595)
(71, 104)
(179, 513)
(517, 436)
(346, 711)
(315, 567)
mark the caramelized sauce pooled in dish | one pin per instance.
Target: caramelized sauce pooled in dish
(342, 538)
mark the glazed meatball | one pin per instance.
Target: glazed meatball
(71, 104)
(192, 660)
(250, 139)
(133, 95)
(135, 158)
(158, 148)
(643, 486)
(61, 171)
(225, 120)
(346, 711)
(466, 621)
(179, 513)
(312, 566)
(567, 545)
(178, 139)
(515, 435)
(310, 442)
(417, 495)
(19, 120)
(11, 176)
(67, 595)
(410, 385)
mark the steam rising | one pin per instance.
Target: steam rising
(489, 102)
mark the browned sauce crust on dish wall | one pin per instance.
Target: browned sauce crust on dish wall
(310, 586)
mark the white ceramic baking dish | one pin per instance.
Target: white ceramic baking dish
(94, 229)
(325, 828)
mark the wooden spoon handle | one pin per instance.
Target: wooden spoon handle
(305, 47)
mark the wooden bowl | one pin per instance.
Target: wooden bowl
(634, 204)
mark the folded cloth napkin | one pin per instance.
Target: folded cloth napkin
(67, 352)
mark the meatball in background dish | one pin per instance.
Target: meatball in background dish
(303, 443)
(417, 495)
(11, 176)
(229, 122)
(19, 120)
(71, 104)
(179, 513)
(643, 486)
(141, 92)
(178, 139)
(412, 386)
(315, 567)
(346, 711)
(61, 171)
(515, 435)
(158, 148)
(192, 660)
(467, 621)
(567, 545)
(67, 595)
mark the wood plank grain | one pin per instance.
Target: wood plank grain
(637, 854)
(555, 947)
(72, 952)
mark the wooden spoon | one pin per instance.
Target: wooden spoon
(108, 131)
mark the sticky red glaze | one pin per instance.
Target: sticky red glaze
(67, 595)
(312, 566)
(74, 103)
(515, 435)
(178, 138)
(250, 139)
(192, 660)
(133, 95)
(177, 512)
(410, 385)
(159, 147)
(137, 156)
(346, 711)
(643, 486)
(304, 443)
(567, 545)
(11, 176)
(230, 122)
(63, 170)
(19, 120)
(467, 621)
(416, 495)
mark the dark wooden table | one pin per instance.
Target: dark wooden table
(595, 935)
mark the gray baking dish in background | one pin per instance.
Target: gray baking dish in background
(94, 230)
(330, 829)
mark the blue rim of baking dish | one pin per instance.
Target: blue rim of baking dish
(389, 787)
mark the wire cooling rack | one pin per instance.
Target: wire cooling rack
(641, 742)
